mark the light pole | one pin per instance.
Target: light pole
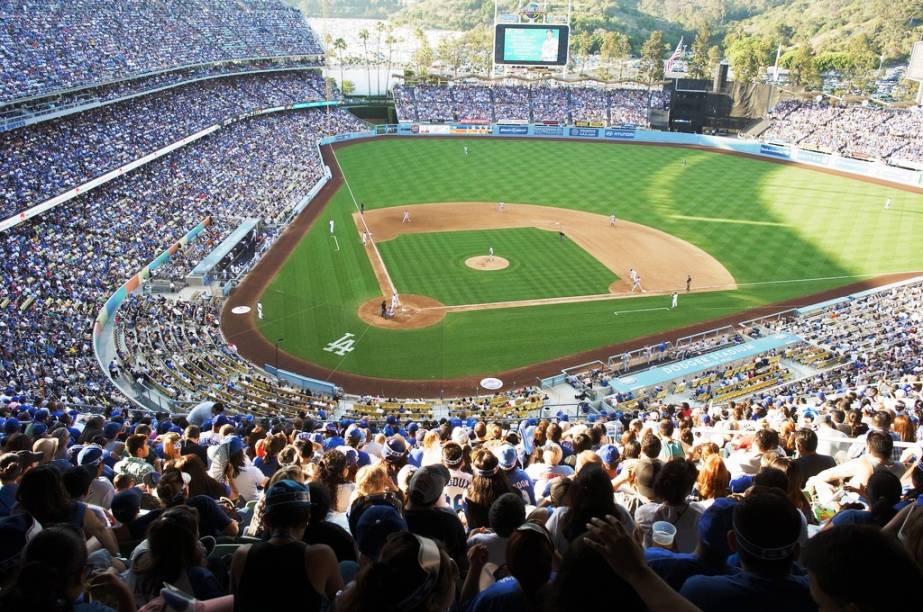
(278, 342)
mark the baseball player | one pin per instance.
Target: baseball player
(466, 150)
(888, 204)
(500, 207)
(611, 220)
(365, 238)
(635, 281)
(331, 226)
(490, 253)
(406, 218)
(395, 301)
(688, 282)
(675, 301)
(685, 163)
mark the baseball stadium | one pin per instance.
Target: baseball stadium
(436, 305)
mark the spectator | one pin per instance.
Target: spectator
(672, 487)
(488, 484)
(507, 513)
(425, 519)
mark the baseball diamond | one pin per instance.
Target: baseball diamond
(752, 234)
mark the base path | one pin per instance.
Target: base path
(415, 312)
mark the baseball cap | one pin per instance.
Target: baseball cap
(428, 483)
(286, 494)
(506, 455)
(609, 454)
(352, 456)
(90, 455)
(111, 430)
(374, 527)
(235, 444)
(395, 448)
(460, 435)
(714, 525)
(221, 420)
(126, 505)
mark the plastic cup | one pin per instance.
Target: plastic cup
(662, 533)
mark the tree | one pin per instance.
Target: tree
(698, 66)
(364, 37)
(749, 55)
(615, 47)
(451, 53)
(802, 67)
(861, 58)
(714, 58)
(380, 28)
(423, 57)
(348, 87)
(390, 40)
(580, 46)
(652, 58)
(340, 46)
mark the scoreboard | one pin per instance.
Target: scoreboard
(531, 44)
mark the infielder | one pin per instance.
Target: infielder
(500, 207)
(490, 253)
(365, 238)
(675, 300)
(406, 218)
(688, 282)
(635, 281)
(611, 220)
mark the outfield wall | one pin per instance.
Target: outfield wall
(786, 152)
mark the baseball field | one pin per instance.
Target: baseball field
(750, 233)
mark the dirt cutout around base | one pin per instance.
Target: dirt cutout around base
(487, 262)
(662, 260)
(415, 312)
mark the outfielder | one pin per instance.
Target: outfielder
(406, 218)
(466, 150)
(675, 301)
(888, 204)
(331, 226)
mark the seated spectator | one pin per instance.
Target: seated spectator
(309, 573)
(883, 492)
(809, 461)
(672, 487)
(506, 514)
(172, 554)
(413, 574)
(334, 472)
(748, 461)
(425, 519)
(10, 473)
(857, 567)
(135, 464)
(126, 508)
(213, 519)
(855, 473)
(320, 530)
(766, 528)
(200, 483)
(711, 553)
(712, 482)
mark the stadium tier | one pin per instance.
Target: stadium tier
(53, 46)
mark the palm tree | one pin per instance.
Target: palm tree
(380, 28)
(390, 40)
(364, 37)
(340, 45)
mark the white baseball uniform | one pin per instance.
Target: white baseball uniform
(406, 218)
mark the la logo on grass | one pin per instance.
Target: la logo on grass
(344, 345)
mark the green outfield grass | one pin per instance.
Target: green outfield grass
(541, 266)
(782, 231)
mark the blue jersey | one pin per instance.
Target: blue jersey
(522, 483)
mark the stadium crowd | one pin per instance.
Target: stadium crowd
(858, 131)
(791, 502)
(61, 45)
(58, 269)
(539, 103)
(43, 160)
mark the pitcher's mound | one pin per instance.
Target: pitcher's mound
(413, 313)
(483, 262)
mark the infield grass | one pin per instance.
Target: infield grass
(782, 231)
(541, 266)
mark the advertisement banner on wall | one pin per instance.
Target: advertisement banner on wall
(513, 130)
(471, 129)
(776, 150)
(814, 157)
(584, 132)
(590, 124)
(433, 129)
(620, 132)
(547, 130)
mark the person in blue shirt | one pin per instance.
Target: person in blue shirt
(766, 528)
(509, 463)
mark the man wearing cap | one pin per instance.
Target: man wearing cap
(375, 525)
(126, 508)
(101, 490)
(711, 553)
(765, 531)
(509, 463)
(425, 519)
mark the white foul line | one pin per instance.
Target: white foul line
(336, 241)
(361, 216)
(618, 312)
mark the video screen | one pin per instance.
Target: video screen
(531, 45)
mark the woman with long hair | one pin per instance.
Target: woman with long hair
(903, 427)
(200, 482)
(288, 472)
(793, 470)
(53, 575)
(488, 483)
(173, 556)
(589, 496)
(333, 473)
(883, 492)
(413, 574)
(269, 462)
(713, 480)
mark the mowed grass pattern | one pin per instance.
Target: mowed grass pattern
(782, 231)
(541, 266)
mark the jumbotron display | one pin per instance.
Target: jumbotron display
(531, 44)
